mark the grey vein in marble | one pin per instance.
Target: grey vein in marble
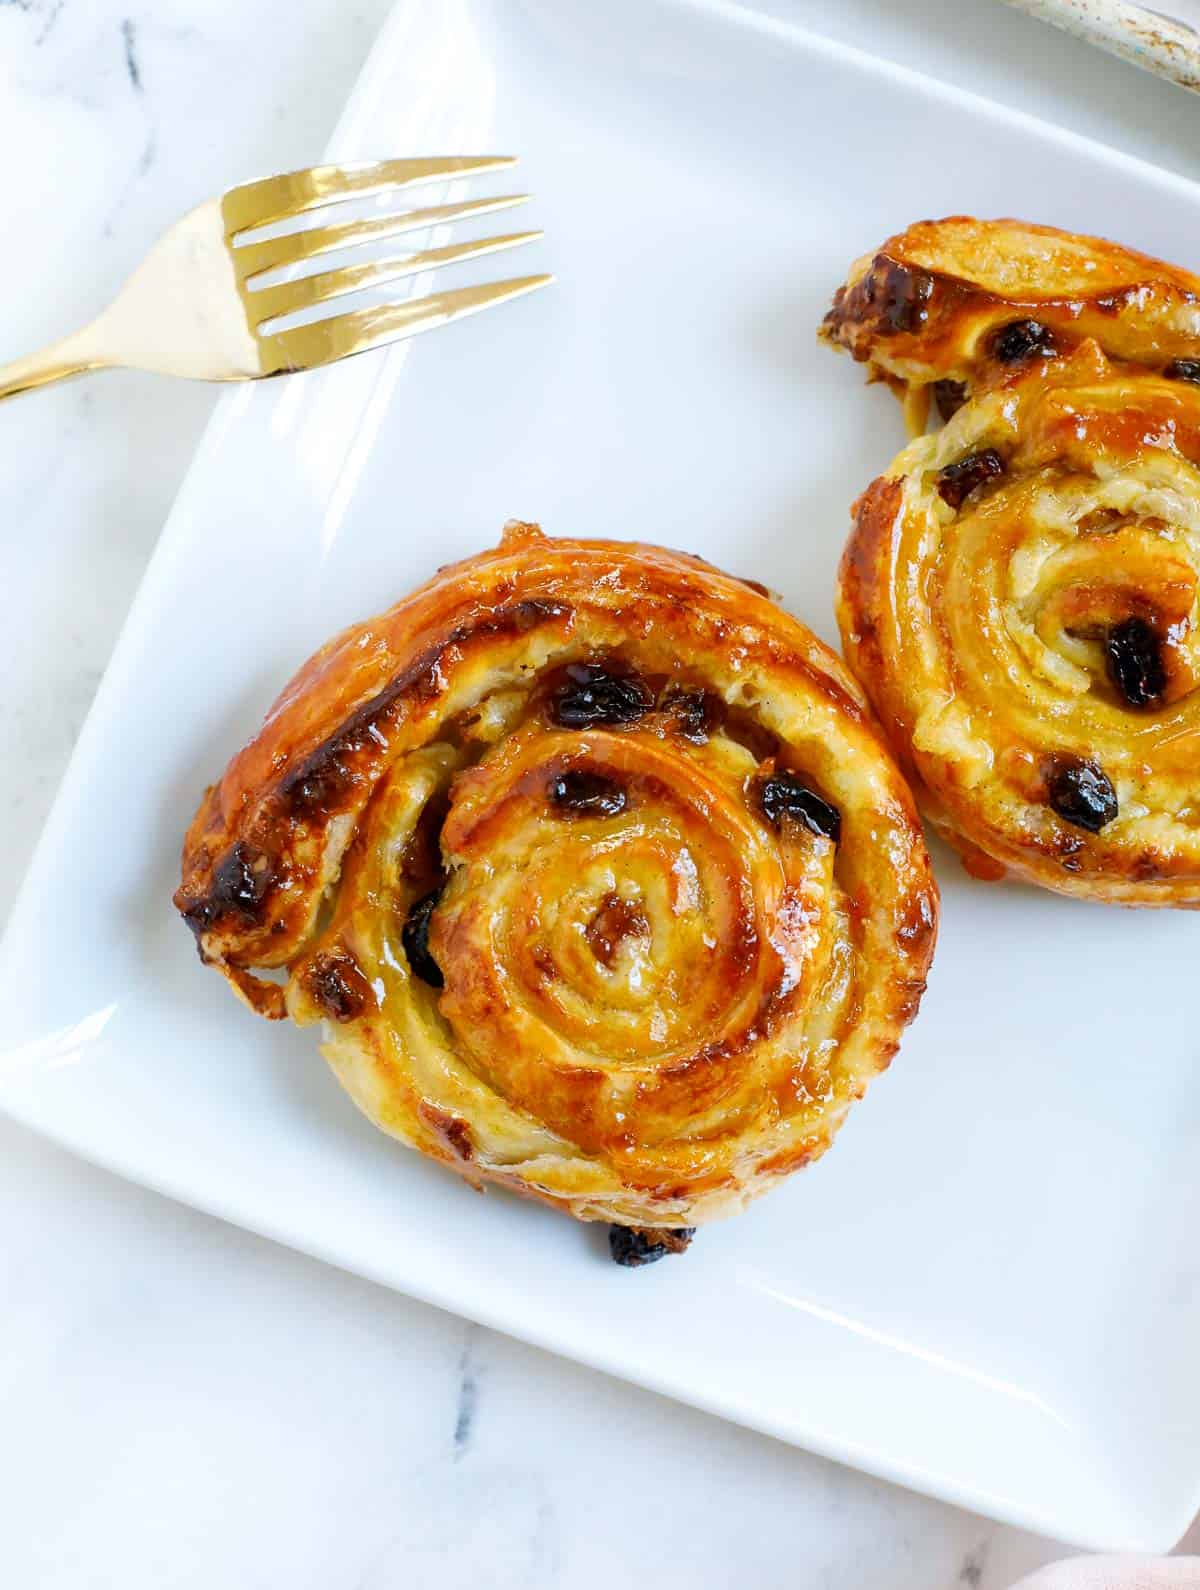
(468, 1396)
(129, 35)
(974, 1567)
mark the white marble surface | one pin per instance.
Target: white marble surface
(185, 1405)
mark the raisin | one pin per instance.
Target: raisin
(415, 938)
(785, 793)
(957, 481)
(901, 294)
(590, 695)
(693, 712)
(949, 397)
(1135, 662)
(336, 984)
(1183, 370)
(316, 790)
(616, 920)
(587, 794)
(1021, 340)
(634, 1246)
(421, 863)
(1081, 793)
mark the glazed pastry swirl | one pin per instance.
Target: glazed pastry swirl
(1019, 597)
(593, 867)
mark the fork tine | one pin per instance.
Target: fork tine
(255, 204)
(305, 347)
(288, 298)
(250, 259)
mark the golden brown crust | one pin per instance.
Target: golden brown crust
(1027, 628)
(660, 992)
(935, 304)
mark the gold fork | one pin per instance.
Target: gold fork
(197, 306)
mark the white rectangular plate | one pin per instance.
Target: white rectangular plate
(990, 1288)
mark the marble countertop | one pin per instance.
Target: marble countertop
(182, 1404)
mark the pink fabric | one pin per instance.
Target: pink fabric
(1116, 1573)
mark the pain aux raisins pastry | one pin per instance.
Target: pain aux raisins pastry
(948, 308)
(594, 871)
(1019, 598)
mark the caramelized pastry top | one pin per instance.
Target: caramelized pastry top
(965, 303)
(594, 867)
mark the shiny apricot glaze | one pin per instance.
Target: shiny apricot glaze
(1030, 642)
(594, 868)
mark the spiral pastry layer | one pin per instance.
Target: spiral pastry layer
(1019, 598)
(948, 308)
(594, 868)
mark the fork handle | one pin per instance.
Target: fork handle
(74, 355)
